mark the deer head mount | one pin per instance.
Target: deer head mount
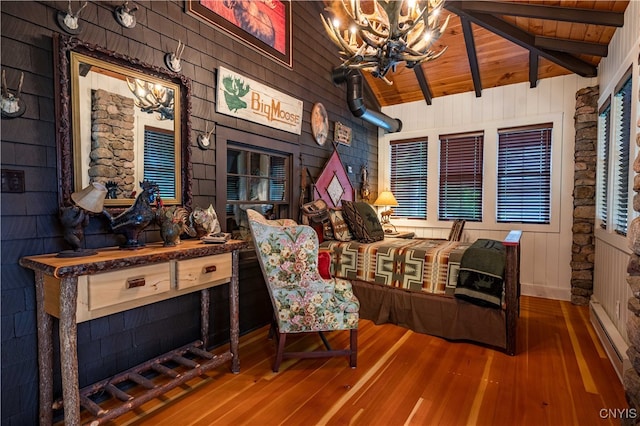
(69, 21)
(125, 15)
(12, 106)
(172, 59)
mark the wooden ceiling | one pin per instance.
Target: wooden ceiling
(496, 43)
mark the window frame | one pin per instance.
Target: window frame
(490, 128)
(394, 184)
(512, 131)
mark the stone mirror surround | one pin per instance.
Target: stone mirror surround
(102, 124)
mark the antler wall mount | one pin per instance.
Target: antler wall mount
(12, 106)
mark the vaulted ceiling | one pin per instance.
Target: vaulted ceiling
(496, 43)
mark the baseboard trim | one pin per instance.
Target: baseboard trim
(613, 343)
(545, 292)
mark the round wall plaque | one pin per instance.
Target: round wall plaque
(319, 123)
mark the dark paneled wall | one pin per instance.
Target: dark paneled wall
(29, 220)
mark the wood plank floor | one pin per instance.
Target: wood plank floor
(560, 376)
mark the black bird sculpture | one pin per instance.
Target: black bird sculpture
(133, 220)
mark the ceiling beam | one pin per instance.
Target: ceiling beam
(424, 84)
(571, 46)
(521, 38)
(554, 13)
(471, 53)
(533, 69)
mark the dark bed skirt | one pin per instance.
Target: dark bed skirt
(436, 315)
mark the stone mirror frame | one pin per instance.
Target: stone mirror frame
(120, 121)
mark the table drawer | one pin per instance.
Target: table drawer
(111, 288)
(203, 270)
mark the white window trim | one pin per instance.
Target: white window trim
(490, 129)
(609, 235)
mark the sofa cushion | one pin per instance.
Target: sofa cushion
(363, 221)
(341, 230)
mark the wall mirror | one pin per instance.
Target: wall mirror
(121, 121)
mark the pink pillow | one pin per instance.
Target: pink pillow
(324, 264)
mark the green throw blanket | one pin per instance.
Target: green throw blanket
(481, 276)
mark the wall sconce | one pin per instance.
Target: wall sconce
(75, 218)
(172, 59)
(125, 15)
(386, 199)
(69, 21)
(204, 142)
(12, 106)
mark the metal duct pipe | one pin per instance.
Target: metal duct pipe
(356, 102)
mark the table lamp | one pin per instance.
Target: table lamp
(386, 199)
(75, 218)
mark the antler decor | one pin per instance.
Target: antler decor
(69, 21)
(11, 104)
(152, 97)
(172, 59)
(394, 32)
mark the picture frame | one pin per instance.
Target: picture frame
(270, 37)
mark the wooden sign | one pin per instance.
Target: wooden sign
(242, 97)
(342, 134)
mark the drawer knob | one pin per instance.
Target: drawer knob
(135, 282)
(209, 269)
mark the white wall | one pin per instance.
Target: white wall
(546, 250)
(612, 253)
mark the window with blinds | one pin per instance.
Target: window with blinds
(159, 160)
(409, 177)
(256, 179)
(460, 186)
(524, 174)
(621, 141)
(604, 133)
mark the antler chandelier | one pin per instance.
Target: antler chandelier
(152, 98)
(394, 32)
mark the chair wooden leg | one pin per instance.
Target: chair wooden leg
(353, 356)
(282, 337)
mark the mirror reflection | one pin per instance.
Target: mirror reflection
(125, 130)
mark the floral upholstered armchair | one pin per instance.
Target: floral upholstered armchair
(302, 300)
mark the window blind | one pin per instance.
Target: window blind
(604, 132)
(622, 119)
(524, 174)
(159, 160)
(409, 178)
(460, 193)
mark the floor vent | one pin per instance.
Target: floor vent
(610, 337)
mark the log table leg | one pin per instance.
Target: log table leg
(45, 353)
(69, 350)
(205, 297)
(234, 294)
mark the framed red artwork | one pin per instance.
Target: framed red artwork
(263, 25)
(333, 184)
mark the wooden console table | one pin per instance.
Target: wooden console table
(83, 288)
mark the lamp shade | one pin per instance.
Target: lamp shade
(386, 198)
(91, 198)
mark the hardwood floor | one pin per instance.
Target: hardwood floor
(560, 376)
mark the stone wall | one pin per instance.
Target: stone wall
(632, 375)
(112, 155)
(584, 195)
